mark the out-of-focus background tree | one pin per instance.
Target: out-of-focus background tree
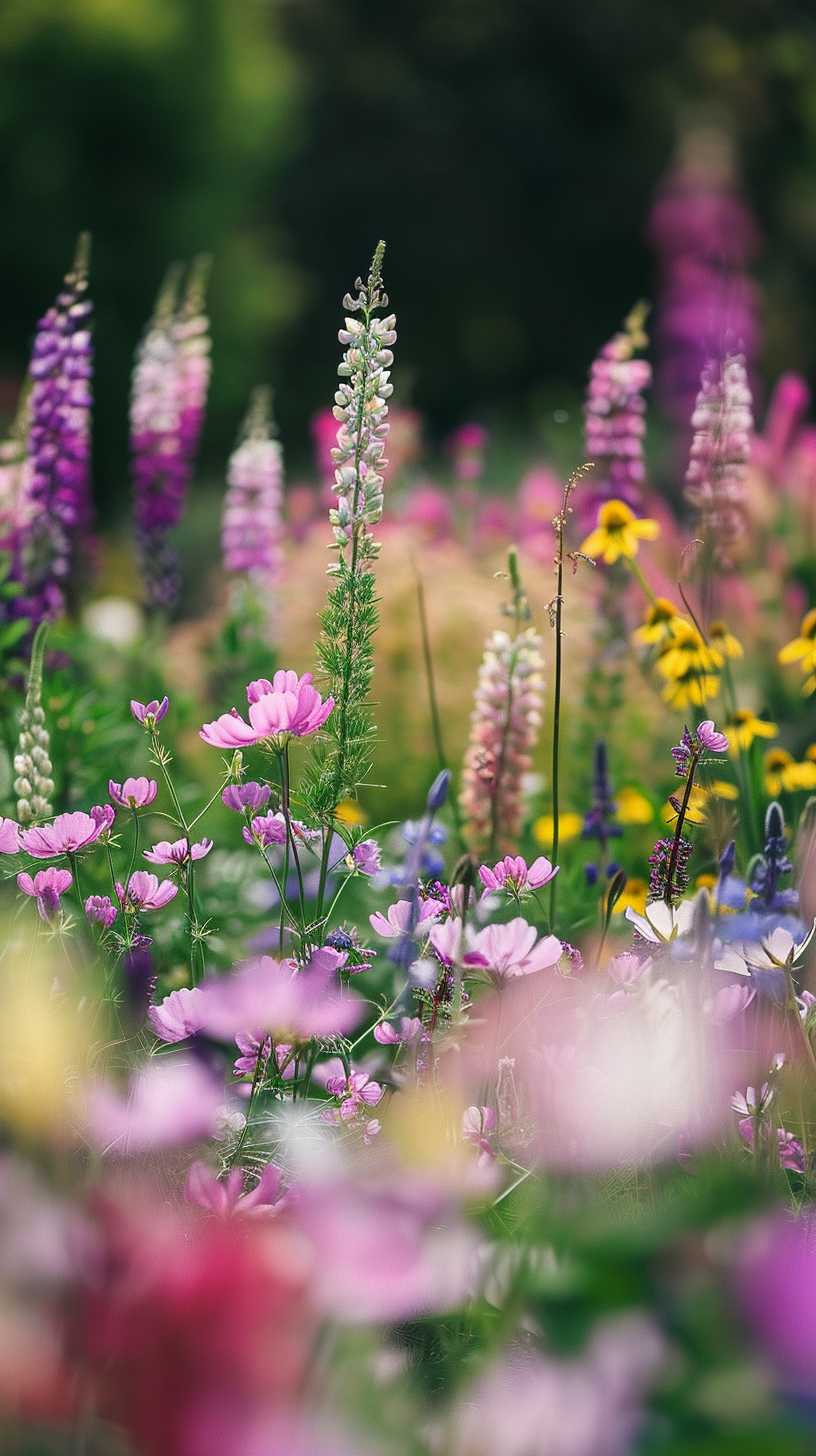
(507, 149)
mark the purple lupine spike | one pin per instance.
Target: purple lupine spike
(56, 500)
(168, 394)
(251, 524)
(614, 423)
(705, 238)
(717, 475)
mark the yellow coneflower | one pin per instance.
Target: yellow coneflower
(686, 651)
(803, 650)
(634, 894)
(695, 811)
(724, 641)
(618, 533)
(632, 807)
(693, 689)
(662, 620)
(721, 789)
(776, 761)
(742, 727)
(569, 827)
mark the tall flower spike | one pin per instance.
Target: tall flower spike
(504, 727)
(170, 381)
(32, 764)
(614, 414)
(251, 522)
(350, 618)
(720, 452)
(57, 482)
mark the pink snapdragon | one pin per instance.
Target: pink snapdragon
(288, 704)
(9, 836)
(46, 887)
(514, 875)
(355, 1092)
(226, 1196)
(178, 1015)
(397, 918)
(180, 852)
(145, 892)
(506, 951)
(504, 728)
(100, 910)
(133, 793)
(150, 714)
(67, 833)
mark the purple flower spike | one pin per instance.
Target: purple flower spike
(56, 486)
(709, 737)
(245, 796)
(46, 887)
(615, 424)
(150, 714)
(251, 528)
(170, 382)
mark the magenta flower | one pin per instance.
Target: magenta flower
(67, 833)
(245, 796)
(366, 856)
(451, 940)
(511, 950)
(709, 737)
(179, 852)
(275, 997)
(288, 704)
(133, 793)
(100, 910)
(396, 920)
(387, 1035)
(515, 875)
(145, 892)
(476, 1123)
(252, 1045)
(150, 714)
(9, 836)
(178, 1016)
(173, 1100)
(269, 828)
(46, 886)
(224, 1197)
(356, 1092)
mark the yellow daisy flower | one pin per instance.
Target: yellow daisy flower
(803, 650)
(618, 533)
(662, 620)
(569, 827)
(721, 789)
(635, 893)
(632, 807)
(693, 689)
(695, 813)
(776, 759)
(685, 651)
(799, 776)
(723, 640)
(742, 727)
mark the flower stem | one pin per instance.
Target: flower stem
(668, 894)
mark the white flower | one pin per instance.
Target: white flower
(662, 922)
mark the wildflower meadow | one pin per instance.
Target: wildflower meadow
(407, 985)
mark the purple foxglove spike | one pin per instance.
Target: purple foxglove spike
(717, 475)
(55, 499)
(170, 381)
(251, 530)
(614, 418)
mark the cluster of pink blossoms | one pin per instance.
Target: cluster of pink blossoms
(615, 424)
(504, 727)
(720, 452)
(251, 523)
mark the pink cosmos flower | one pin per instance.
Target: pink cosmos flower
(366, 856)
(287, 704)
(397, 917)
(173, 1100)
(387, 1035)
(245, 796)
(178, 1015)
(511, 950)
(145, 892)
(515, 875)
(269, 828)
(275, 997)
(179, 852)
(46, 886)
(226, 1196)
(133, 793)
(728, 1002)
(356, 1092)
(254, 1044)
(451, 940)
(100, 910)
(9, 836)
(149, 713)
(67, 833)
(709, 737)
(476, 1123)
